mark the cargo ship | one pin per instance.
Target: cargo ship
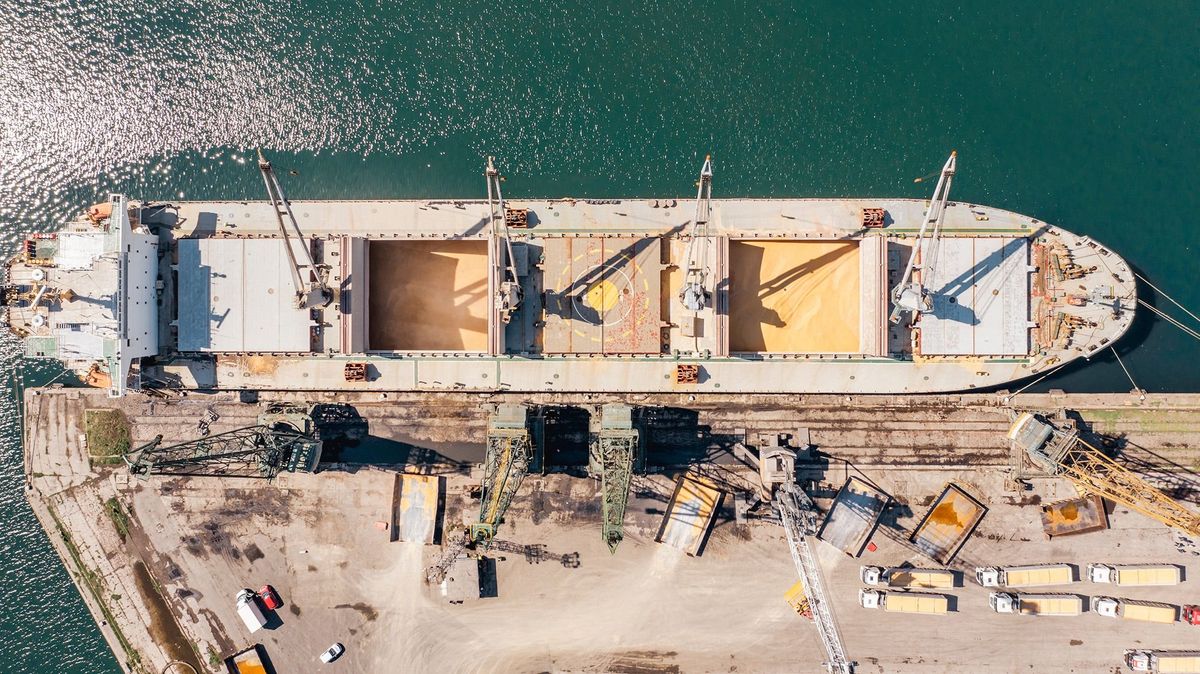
(691, 294)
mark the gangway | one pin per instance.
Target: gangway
(798, 514)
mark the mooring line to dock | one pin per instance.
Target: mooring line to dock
(1047, 373)
(1170, 319)
(1141, 394)
(1170, 299)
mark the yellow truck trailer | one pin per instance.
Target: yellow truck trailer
(1132, 575)
(1163, 662)
(1132, 609)
(907, 578)
(1034, 575)
(905, 602)
(1036, 604)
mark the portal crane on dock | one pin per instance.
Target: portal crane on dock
(312, 292)
(695, 293)
(508, 291)
(798, 514)
(1063, 453)
(910, 294)
(285, 438)
(615, 452)
(514, 438)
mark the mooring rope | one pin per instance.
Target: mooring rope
(1169, 298)
(1141, 395)
(1170, 319)
(1047, 373)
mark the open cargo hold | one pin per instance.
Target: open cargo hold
(249, 661)
(948, 524)
(428, 296)
(853, 516)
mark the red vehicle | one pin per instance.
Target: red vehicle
(1191, 615)
(269, 597)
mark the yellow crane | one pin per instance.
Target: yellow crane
(1062, 452)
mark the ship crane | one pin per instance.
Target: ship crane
(508, 293)
(311, 293)
(798, 515)
(1063, 453)
(695, 294)
(910, 293)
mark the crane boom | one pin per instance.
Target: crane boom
(508, 289)
(798, 514)
(910, 293)
(313, 292)
(695, 293)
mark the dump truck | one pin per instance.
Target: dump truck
(905, 602)
(1033, 575)
(1132, 575)
(248, 661)
(1036, 604)
(1132, 609)
(249, 612)
(934, 579)
(1163, 662)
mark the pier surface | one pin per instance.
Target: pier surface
(159, 561)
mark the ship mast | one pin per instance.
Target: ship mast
(695, 294)
(910, 293)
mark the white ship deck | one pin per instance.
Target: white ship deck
(800, 301)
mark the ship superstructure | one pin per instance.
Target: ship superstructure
(580, 295)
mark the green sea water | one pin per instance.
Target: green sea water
(1080, 114)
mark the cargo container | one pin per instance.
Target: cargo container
(1163, 662)
(1036, 604)
(933, 579)
(905, 602)
(249, 612)
(1034, 575)
(1132, 575)
(1131, 609)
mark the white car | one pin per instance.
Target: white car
(332, 653)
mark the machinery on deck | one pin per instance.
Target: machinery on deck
(310, 292)
(508, 290)
(514, 447)
(287, 437)
(696, 293)
(615, 452)
(1063, 453)
(910, 293)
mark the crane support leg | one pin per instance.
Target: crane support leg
(614, 453)
(513, 449)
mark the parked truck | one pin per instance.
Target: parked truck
(1132, 575)
(1132, 609)
(1163, 662)
(1034, 575)
(905, 602)
(1036, 604)
(933, 579)
(249, 612)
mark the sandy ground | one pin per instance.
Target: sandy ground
(794, 297)
(428, 296)
(648, 608)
